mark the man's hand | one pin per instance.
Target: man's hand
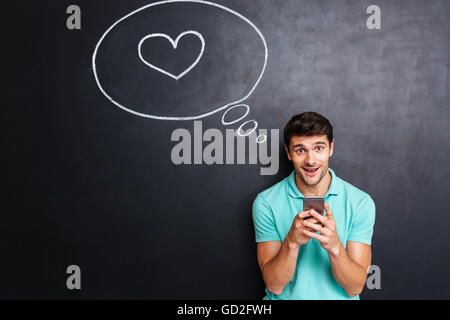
(296, 235)
(328, 237)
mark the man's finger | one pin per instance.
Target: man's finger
(312, 220)
(304, 214)
(326, 232)
(319, 217)
(328, 211)
(314, 235)
(315, 226)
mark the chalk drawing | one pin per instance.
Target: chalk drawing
(238, 119)
(141, 114)
(177, 77)
(255, 125)
(174, 45)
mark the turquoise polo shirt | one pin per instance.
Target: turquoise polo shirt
(274, 210)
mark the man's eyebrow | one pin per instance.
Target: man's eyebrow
(315, 143)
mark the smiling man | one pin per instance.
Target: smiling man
(323, 256)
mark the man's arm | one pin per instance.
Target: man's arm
(278, 260)
(350, 266)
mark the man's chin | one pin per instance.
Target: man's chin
(310, 181)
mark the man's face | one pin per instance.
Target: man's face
(309, 156)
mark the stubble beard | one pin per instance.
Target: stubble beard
(319, 178)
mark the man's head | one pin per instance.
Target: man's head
(308, 139)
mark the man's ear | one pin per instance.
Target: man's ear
(331, 147)
(287, 152)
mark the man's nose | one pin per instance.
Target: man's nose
(310, 160)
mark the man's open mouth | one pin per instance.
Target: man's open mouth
(310, 171)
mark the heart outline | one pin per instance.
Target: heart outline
(174, 45)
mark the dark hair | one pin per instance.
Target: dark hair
(307, 124)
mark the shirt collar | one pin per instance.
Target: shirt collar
(295, 193)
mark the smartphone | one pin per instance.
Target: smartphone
(313, 202)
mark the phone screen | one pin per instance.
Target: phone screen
(313, 202)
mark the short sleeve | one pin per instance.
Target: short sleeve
(263, 221)
(361, 229)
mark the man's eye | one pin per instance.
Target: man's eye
(298, 150)
(320, 148)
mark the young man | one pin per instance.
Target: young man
(323, 256)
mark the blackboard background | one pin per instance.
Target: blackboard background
(85, 183)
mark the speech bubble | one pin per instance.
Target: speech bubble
(220, 55)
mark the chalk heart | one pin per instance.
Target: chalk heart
(174, 45)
